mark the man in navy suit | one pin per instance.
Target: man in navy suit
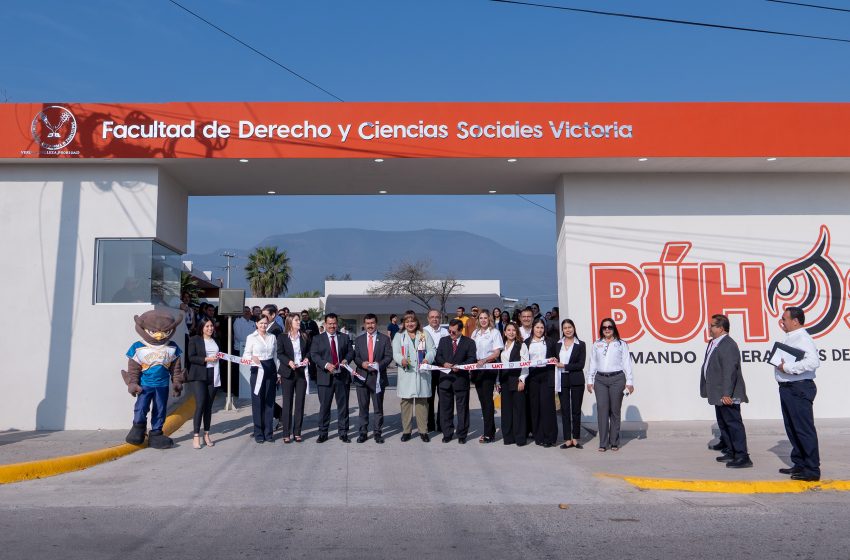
(371, 349)
(452, 351)
(329, 351)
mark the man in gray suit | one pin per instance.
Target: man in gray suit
(722, 383)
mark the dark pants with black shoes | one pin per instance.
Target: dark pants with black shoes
(797, 399)
(485, 383)
(365, 396)
(571, 397)
(294, 391)
(541, 400)
(449, 399)
(732, 429)
(433, 404)
(514, 429)
(337, 390)
(262, 403)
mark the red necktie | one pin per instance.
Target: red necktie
(334, 355)
(371, 349)
(454, 346)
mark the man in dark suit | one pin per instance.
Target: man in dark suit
(371, 348)
(452, 351)
(308, 325)
(329, 351)
(722, 383)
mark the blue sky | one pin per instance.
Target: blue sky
(460, 50)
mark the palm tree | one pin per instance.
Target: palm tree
(268, 272)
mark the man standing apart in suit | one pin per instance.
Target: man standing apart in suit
(329, 351)
(454, 350)
(797, 392)
(722, 383)
(371, 349)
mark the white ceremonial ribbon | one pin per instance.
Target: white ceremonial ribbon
(260, 374)
(495, 365)
(377, 368)
(304, 364)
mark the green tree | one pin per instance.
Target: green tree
(268, 272)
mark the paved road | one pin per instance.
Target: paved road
(334, 500)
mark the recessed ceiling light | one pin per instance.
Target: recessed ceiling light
(771, 159)
(512, 160)
(642, 159)
(382, 192)
(379, 160)
(243, 161)
(492, 192)
(272, 192)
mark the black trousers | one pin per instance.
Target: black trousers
(732, 429)
(337, 390)
(365, 396)
(294, 392)
(433, 404)
(204, 394)
(797, 399)
(571, 397)
(541, 400)
(262, 404)
(485, 383)
(514, 429)
(450, 398)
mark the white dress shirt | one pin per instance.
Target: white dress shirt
(242, 327)
(524, 333)
(801, 369)
(211, 348)
(296, 347)
(486, 341)
(608, 358)
(523, 356)
(537, 350)
(264, 348)
(563, 357)
(436, 334)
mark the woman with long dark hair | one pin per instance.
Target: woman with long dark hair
(610, 377)
(203, 377)
(541, 385)
(569, 382)
(512, 381)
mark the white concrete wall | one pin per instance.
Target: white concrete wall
(64, 354)
(771, 219)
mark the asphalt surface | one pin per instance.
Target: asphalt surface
(333, 500)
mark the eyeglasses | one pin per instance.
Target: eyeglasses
(607, 327)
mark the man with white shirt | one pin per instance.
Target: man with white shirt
(797, 392)
(526, 317)
(722, 383)
(242, 327)
(436, 332)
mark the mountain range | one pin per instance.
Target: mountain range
(367, 255)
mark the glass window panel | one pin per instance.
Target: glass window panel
(123, 271)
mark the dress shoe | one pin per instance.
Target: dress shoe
(791, 470)
(461, 440)
(259, 440)
(405, 437)
(742, 462)
(379, 438)
(322, 438)
(805, 477)
(446, 439)
(725, 458)
(344, 438)
(720, 446)
(424, 437)
(361, 438)
(548, 445)
(579, 446)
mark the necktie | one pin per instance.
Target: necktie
(454, 346)
(707, 352)
(334, 355)
(371, 349)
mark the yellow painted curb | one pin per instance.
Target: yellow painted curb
(732, 486)
(18, 472)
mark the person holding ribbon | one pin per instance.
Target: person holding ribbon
(261, 350)
(372, 356)
(488, 348)
(412, 348)
(292, 350)
(541, 385)
(569, 382)
(512, 381)
(610, 377)
(204, 378)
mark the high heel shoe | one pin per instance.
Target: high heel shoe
(208, 441)
(196, 442)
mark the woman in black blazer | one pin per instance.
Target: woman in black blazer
(292, 350)
(541, 386)
(203, 377)
(512, 382)
(572, 354)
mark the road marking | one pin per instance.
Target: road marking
(731, 486)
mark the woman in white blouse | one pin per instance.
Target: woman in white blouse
(610, 377)
(569, 382)
(412, 348)
(488, 348)
(261, 349)
(541, 385)
(514, 429)
(292, 354)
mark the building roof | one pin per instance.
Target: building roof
(380, 305)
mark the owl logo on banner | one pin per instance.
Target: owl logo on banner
(54, 127)
(638, 297)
